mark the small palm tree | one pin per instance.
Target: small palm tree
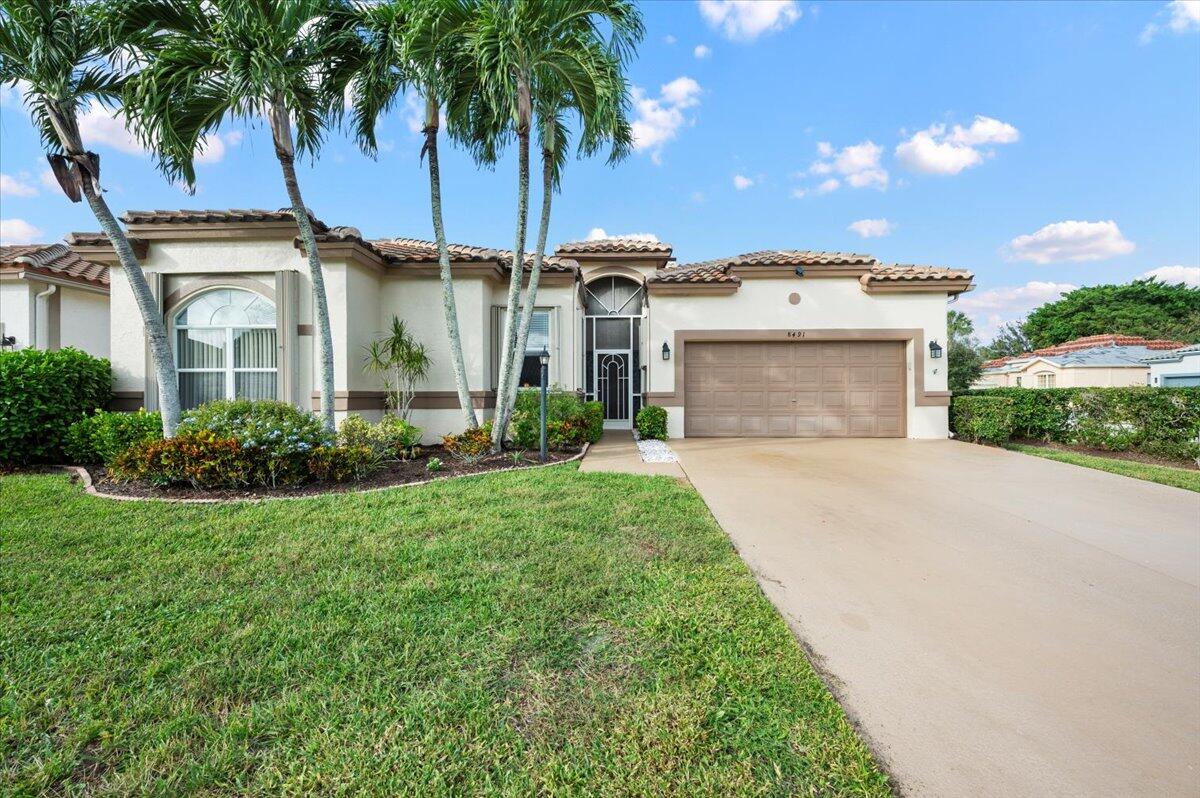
(207, 61)
(55, 51)
(402, 363)
(535, 60)
(385, 50)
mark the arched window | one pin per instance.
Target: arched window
(612, 296)
(225, 347)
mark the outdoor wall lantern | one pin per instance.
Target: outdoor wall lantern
(935, 351)
(666, 351)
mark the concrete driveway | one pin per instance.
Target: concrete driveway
(995, 623)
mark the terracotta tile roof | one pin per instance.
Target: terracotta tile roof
(898, 272)
(53, 260)
(226, 216)
(1097, 341)
(415, 250)
(1092, 350)
(695, 273)
(633, 246)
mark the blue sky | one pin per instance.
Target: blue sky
(1042, 146)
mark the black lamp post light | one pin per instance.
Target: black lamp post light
(544, 359)
(935, 351)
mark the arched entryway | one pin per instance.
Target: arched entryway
(612, 360)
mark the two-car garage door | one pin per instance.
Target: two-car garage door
(817, 389)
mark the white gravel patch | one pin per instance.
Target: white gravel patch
(656, 452)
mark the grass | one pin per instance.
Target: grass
(540, 632)
(1185, 478)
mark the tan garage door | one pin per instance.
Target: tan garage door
(851, 389)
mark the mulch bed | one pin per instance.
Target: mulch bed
(401, 472)
(1135, 457)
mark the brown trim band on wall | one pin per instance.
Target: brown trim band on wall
(425, 400)
(127, 401)
(305, 329)
(921, 397)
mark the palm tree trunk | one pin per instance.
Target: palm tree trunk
(439, 232)
(531, 293)
(285, 151)
(152, 320)
(509, 357)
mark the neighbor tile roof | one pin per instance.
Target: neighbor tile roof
(632, 246)
(1091, 350)
(226, 216)
(53, 260)
(1174, 354)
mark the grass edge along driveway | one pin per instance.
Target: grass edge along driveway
(1164, 475)
(538, 632)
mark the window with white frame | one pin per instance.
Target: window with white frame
(225, 347)
(539, 339)
(1045, 380)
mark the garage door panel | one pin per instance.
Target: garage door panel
(795, 389)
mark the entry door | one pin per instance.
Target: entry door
(612, 367)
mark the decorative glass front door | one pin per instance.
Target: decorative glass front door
(611, 326)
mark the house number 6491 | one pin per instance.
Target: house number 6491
(795, 334)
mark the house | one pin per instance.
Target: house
(1177, 368)
(51, 298)
(778, 342)
(1096, 361)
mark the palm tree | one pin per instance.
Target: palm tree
(546, 56)
(387, 49)
(54, 50)
(207, 61)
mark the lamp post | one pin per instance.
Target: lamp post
(544, 358)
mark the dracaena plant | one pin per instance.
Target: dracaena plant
(63, 56)
(204, 63)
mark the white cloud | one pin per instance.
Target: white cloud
(1181, 16)
(1189, 275)
(992, 308)
(658, 119)
(99, 125)
(746, 20)
(741, 182)
(1070, 240)
(872, 228)
(702, 51)
(49, 181)
(859, 165)
(12, 95)
(799, 193)
(18, 231)
(597, 233)
(669, 39)
(938, 152)
(829, 185)
(16, 187)
(212, 148)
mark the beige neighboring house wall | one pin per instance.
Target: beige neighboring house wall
(1067, 377)
(186, 254)
(50, 298)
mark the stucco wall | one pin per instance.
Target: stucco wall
(83, 321)
(833, 303)
(1188, 365)
(14, 311)
(1070, 377)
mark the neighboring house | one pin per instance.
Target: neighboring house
(1097, 361)
(780, 342)
(1178, 368)
(52, 298)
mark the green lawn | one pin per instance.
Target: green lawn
(1185, 478)
(537, 632)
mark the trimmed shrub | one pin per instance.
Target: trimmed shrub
(201, 459)
(568, 423)
(471, 444)
(652, 422)
(984, 419)
(343, 463)
(393, 438)
(1162, 422)
(594, 415)
(101, 437)
(41, 395)
(276, 437)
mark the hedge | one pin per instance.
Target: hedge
(41, 395)
(570, 421)
(651, 422)
(984, 419)
(1164, 422)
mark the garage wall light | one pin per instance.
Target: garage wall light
(935, 351)
(666, 351)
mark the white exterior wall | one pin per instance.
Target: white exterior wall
(15, 299)
(1068, 377)
(825, 303)
(83, 320)
(1189, 365)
